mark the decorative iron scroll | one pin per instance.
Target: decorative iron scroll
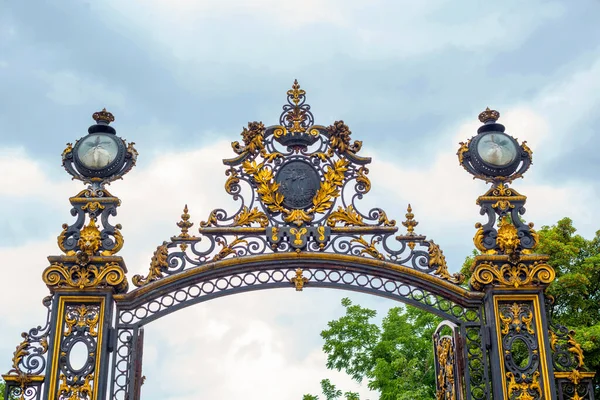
(573, 380)
(26, 377)
(298, 187)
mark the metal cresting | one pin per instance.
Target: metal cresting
(299, 224)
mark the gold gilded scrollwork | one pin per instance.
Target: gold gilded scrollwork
(298, 234)
(464, 147)
(109, 274)
(517, 317)
(72, 392)
(339, 139)
(511, 275)
(299, 280)
(247, 217)
(523, 388)
(227, 248)
(158, 265)
(437, 259)
(348, 216)
(82, 316)
(253, 138)
(369, 248)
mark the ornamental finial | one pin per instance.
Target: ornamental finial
(489, 115)
(296, 93)
(103, 116)
(410, 222)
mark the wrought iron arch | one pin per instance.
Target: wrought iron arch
(299, 224)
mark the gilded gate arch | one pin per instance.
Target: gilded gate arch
(299, 224)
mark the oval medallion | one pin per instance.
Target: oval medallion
(298, 183)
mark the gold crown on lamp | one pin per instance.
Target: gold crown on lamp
(489, 115)
(103, 116)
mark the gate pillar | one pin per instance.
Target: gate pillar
(83, 280)
(526, 355)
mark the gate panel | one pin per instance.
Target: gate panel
(449, 364)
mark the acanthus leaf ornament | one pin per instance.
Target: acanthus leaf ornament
(158, 265)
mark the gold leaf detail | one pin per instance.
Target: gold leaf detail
(511, 275)
(158, 265)
(369, 248)
(246, 217)
(348, 216)
(227, 249)
(437, 259)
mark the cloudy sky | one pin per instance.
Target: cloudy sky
(183, 77)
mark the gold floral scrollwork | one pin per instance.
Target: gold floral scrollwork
(227, 248)
(72, 392)
(158, 265)
(526, 149)
(299, 280)
(253, 138)
(247, 217)
(362, 180)
(511, 275)
(575, 348)
(298, 235)
(523, 388)
(109, 274)
(82, 316)
(339, 139)
(92, 206)
(369, 248)
(518, 318)
(437, 259)
(348, 216)
(231, 181)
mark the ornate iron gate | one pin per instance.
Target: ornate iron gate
(299, 224)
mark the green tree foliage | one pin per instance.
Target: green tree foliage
(395, 359)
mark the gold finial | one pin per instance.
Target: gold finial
(489, 115)
(185, 224)
(410, 223)
(104, 116)
(296, 93)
